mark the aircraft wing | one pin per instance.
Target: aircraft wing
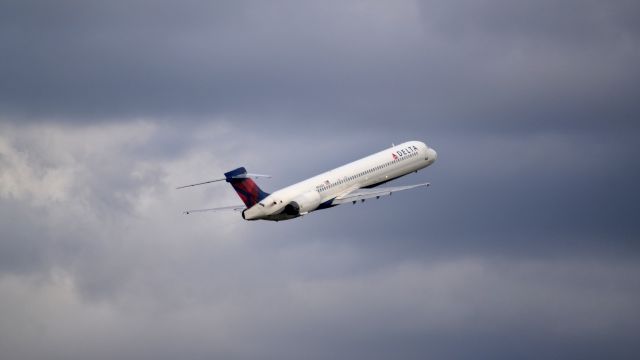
(362, 194)
(233, 207)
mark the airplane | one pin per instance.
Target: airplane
(350, 183)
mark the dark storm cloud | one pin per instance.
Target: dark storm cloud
(525, 245)
(483, 65)
(544, 63)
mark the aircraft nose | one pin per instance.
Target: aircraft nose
(432, 155)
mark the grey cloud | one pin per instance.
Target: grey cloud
(408, 310)
(468, 262)
(489, 65)
(525, 245)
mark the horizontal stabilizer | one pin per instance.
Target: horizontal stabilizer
(255, 176)
(233, 207)
(239, 176)
(201, 183)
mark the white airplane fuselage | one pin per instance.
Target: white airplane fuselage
(319, 192)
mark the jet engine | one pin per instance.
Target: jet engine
(302, 204)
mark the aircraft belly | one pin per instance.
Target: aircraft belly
(279, 217)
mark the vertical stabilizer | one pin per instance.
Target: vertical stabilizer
(246, 188)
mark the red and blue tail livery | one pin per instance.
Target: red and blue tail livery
(246, 188)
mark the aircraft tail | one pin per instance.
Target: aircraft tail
(246, 188)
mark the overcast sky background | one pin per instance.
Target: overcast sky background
(526, 246)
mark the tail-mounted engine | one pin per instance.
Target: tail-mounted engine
(303, 204)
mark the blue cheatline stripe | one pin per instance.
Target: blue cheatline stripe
(327, 204)
(262, 194)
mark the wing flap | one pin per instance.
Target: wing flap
(362, 194)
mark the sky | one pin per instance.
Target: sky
(526, 245)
